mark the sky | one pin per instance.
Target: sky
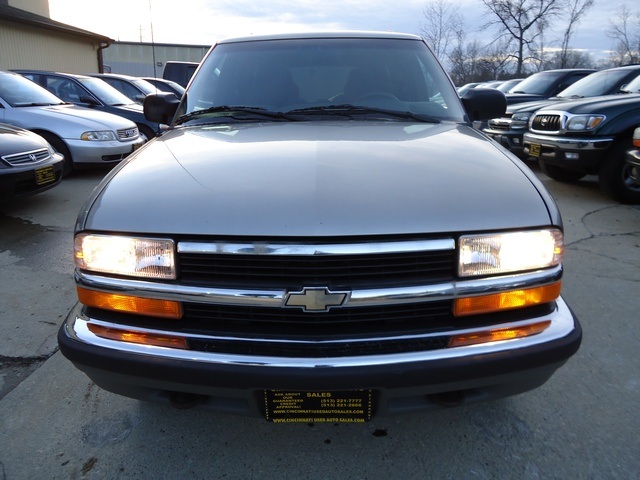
(202, 22)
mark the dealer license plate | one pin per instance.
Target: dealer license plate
(318, 407)
(45, 175)
(534, 149)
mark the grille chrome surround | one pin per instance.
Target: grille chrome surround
(30, 157)
(127, 134)
(552, 122)
(291, 266)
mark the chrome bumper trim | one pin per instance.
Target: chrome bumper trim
(562, 324)
(362, 248)
(568, 143)
(358, 298)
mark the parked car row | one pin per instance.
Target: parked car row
(586, 129)
(79, 120)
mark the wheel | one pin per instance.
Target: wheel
(60, 147)
(614, 175)
(560, 174)
(146, 132)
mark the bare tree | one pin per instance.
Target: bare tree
(442, 23)
(624, 29)
(577, 9)
(522, 21)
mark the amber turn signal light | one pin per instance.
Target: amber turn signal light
(498, 334)
(129, 304)
(506, 300)
(143, 338)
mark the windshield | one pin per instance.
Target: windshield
(313, 75)
(599, 83)
(104, 92)
(537, 84)
(18, 91)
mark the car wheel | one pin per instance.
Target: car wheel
(60, 147)
(615, 175)
(560, 174)
(146, 132)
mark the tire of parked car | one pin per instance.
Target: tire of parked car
(59, 146)
(614, 175)
(560, 174)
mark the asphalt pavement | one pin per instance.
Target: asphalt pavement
(582, 424)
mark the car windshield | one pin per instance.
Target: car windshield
(633, 86)
(599, 83)
(17, 91)
(536, 84)
(104, 92)
(143, 85)
(324, 78)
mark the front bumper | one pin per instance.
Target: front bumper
(583, 154)
(85, 152)
(511, 140)
(29, 179)
(402, 382)
(633, 162)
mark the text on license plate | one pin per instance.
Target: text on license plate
(534, 149)
(45, 175)
(353, 406)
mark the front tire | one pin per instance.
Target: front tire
(59, 146)
(614, 175)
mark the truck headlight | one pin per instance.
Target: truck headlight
(502, 253)
(122, 255)
(581, 123)
(521, 119)
(99, 136)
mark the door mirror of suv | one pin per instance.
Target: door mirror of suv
(160, 107)
(484, 103)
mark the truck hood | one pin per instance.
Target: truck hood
(318, 179)
(617, 103)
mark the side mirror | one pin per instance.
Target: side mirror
(160, 107)
(89, 101)
(484, 103)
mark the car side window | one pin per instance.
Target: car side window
(68, 91)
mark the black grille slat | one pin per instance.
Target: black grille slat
(262, 271)
(547, 123)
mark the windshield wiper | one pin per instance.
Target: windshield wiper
(351, 110)
(38, 104)
(235, 112)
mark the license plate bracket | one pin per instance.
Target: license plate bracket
(353, 406)
(45, 175)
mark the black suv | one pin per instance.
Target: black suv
(543, 85)
(589, 137)
(509, 129)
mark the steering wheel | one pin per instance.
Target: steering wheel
(377, 96)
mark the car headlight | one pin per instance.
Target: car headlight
(584, 122)
(501, 253)
(99, 136)
(121, 255)
(522, 117)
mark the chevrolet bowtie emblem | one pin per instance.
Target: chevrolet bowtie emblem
(316, 299)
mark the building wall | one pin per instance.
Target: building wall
(23, 46)
(39, 7)
(148, 60)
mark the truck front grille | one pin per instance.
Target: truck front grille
(547, 123)
(353, 271)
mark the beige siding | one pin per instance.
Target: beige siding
(22, 46)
